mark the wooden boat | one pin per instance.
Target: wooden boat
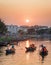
(30, 49)
(10, 52)
(42, 53)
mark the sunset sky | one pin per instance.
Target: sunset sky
(16, 12)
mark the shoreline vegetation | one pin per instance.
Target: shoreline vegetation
(4, 41)
(9, 38)
(24, 33)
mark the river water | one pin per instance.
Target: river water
(30, 58)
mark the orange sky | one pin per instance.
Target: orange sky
(17, 11)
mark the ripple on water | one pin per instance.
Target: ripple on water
(22, 58)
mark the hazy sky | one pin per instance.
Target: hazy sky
(17, 11)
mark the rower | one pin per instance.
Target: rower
(13, 49)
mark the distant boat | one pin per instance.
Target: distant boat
(42, 53)
(30, 49)
(10, 51)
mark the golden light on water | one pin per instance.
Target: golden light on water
(27, 56)
(27, 43)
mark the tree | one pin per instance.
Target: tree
(20, 32)
(3, 28)
(49, 30)
(31, 31)
(41, 31)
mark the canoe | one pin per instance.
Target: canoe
(43, 53)
(30, 49)
(9, 52)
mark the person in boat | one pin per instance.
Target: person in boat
(12, 48)
(42, 45)
(32, 45)
(43, 48)
(8, 47)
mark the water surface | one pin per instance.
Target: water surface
(22, 58)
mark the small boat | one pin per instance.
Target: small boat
(10, 52)
(30, 49)
(42, 53)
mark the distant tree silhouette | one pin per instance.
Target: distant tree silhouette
(49, 30)
(3, 28)
(21, 32)
(41, 31)
(31, 31)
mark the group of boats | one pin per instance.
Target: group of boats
(43, 52)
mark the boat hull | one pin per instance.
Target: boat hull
(44, 53)
(30, 49)
(9, 52)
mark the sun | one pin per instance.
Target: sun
(27, 20)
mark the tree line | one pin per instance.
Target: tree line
(3, 28)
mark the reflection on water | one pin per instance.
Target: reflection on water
(27, 43)
(27, 56)
(22, 58)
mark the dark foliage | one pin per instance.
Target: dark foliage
(3, 28)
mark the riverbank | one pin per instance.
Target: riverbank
(5, 40)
